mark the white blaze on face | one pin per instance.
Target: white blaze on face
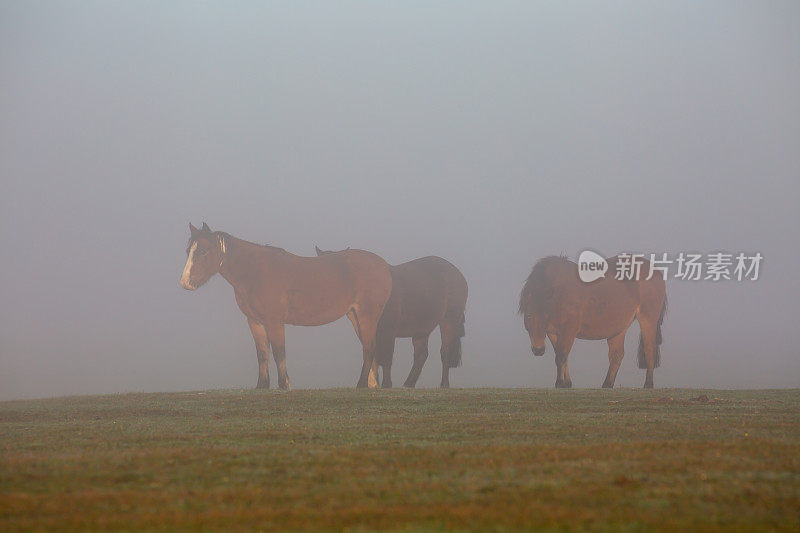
(187, 271)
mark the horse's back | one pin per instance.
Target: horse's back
(598, 309)
(423, 291)
(644, 289)
(652, 292)
(433, 277)
(369, 273)
(455, 283)
(322, 289)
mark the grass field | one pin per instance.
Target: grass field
(471, 459)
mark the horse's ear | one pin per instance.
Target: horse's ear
(206, 228)
(319, 252)
(193, 230)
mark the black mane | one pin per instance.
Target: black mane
(536, 279)
(229, 238)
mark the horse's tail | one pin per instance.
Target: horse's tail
(451, 353)
(451, 350)
(659, 339)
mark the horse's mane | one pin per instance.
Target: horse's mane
(536, 280)
(228, 236)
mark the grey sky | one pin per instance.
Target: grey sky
(489, 133)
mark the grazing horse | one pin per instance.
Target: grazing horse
(274, 287)
(426, 293)
(556, 303)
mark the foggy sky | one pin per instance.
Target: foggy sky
(490, 134)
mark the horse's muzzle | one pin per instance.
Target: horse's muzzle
(537, 351)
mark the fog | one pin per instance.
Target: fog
(490, 134)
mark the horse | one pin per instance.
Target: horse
(274, 287)
(556, 303)
(426, 293)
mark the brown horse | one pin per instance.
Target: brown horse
(426, 293)
(556, 303)
(274, 288)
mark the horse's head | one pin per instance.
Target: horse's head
(535, 325)
(205, 253)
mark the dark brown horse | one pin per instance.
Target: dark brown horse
(556, 303)
(274, 287)
(426, 293)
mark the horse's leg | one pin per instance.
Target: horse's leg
(648, 330)
(365, 319)
(451, 349)
(262, 352)
(562, 348)
(384, 353)
(420, 356)
(277, 339)
(351, 316)
(386, 356)
(616, 351)
(563, 374)
(553, 339)
(369, 368)
(372, 378)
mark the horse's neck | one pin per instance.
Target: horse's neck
(242, 257)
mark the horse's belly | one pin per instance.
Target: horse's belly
(313, 320)
(302, 310)
(415, 325)
(405, 331)
(603, 322)
(597, 335)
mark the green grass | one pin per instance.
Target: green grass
(471, 459)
